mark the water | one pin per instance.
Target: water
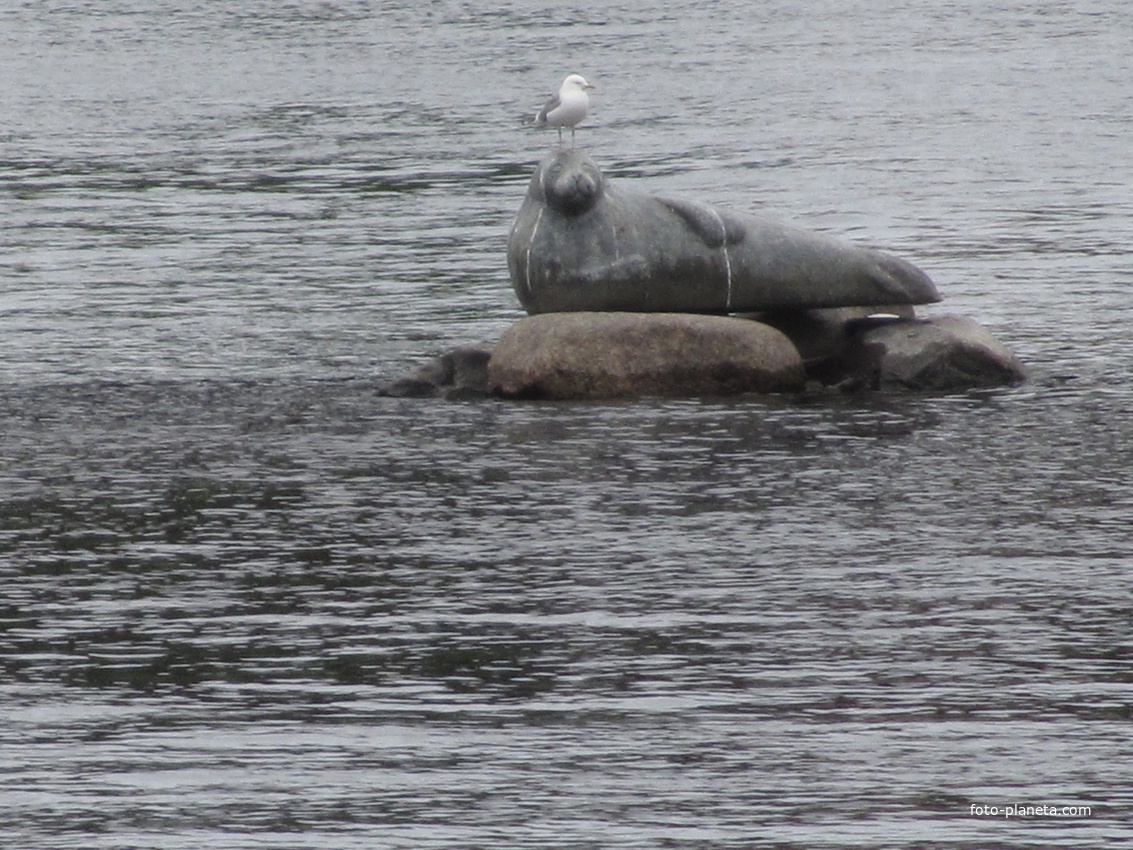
(249, 603)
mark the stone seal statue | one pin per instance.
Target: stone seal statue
(580, 243)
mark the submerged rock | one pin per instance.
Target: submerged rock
(461, 373)
(617, 355)
(580, 243)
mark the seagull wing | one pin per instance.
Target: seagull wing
(550, 106)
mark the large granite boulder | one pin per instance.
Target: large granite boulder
(613, 355)
(580, 243)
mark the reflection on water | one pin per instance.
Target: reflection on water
(250, 603)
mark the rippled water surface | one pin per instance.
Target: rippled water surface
(249, 603)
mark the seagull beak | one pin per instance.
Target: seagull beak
(590, 86)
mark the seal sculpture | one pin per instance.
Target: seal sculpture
(582, 244)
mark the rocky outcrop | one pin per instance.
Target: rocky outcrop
(620, 355)
(580, 243)
(617, 355)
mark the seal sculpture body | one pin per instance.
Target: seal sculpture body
(580, 243)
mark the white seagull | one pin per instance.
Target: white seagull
(568, 107)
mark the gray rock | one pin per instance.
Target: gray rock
(458, 374)
(580, 243)
(410, 386)
(942, 354)
(468, 365)
(617, 355)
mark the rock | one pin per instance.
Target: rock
(458, 374)
(410, 386)
(468, 365)
(611, 355)
(580, 243)
(943, 354)
(824, 334)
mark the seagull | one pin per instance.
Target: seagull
(568, 107)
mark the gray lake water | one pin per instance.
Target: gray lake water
(246, 602)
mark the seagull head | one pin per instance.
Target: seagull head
(576, 81)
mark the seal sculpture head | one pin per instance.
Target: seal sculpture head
(569, 182)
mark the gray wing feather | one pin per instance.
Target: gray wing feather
(551, 104)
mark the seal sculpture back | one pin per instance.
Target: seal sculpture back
(582, 244)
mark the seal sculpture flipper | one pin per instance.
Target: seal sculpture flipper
(580, 243)
(715, 228)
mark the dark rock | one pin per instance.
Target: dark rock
(410, 387)
(468, 367)
(942, 354)
(612, 355)
(824, 334)
(459, 374)
(580, 243)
